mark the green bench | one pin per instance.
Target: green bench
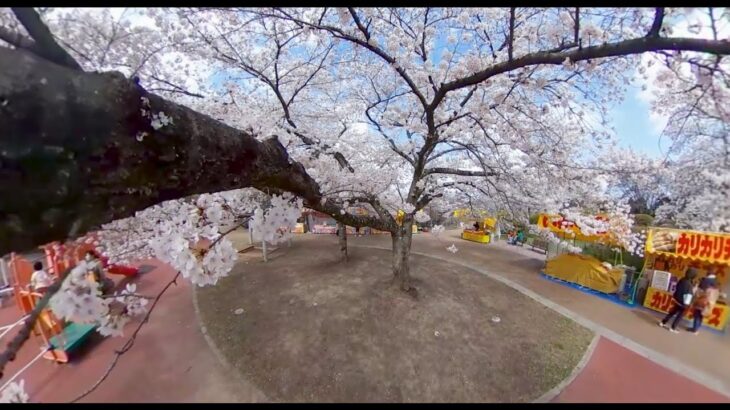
(71, 338)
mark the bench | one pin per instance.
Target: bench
(539, 244)
(71, 338)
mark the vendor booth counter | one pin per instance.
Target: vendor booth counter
(669, 253)
(475, 236)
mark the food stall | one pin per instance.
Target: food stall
(669, 253)
(568, 230)
(481, 235)
(584, 272)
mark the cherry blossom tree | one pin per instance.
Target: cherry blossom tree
(162, 129)
(504, 102)
(690, 91)
(137, 117)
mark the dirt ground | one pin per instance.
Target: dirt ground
(317, 329)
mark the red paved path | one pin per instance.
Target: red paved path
(616, 374)
(170, 361)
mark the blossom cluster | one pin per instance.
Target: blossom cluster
(274, 224)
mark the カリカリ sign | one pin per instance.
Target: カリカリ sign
(662, 301)
(706, 246)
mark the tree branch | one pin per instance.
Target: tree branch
(176, 88)
(338, 33)
(46, 46)
(621, 48)
(16, 39)
(362, 28)
(656, 26)
(511, 39)
(452, 171)
(84, 147)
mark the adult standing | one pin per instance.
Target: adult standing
(704, 300)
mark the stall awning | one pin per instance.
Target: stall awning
(712, 247)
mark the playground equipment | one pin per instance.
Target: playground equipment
(60, 258)
(61, 339)
(80, 252)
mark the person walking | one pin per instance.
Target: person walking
(704, 300)
(681, 300)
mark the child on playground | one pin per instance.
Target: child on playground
(40, 280)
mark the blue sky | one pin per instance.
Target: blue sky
(634, 126)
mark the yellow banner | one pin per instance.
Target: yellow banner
(661, 302)
(709, 247)
(463, 214)
(568, 229)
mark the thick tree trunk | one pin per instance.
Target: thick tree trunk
(342, 236)
(76, 151)
(401, 255)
